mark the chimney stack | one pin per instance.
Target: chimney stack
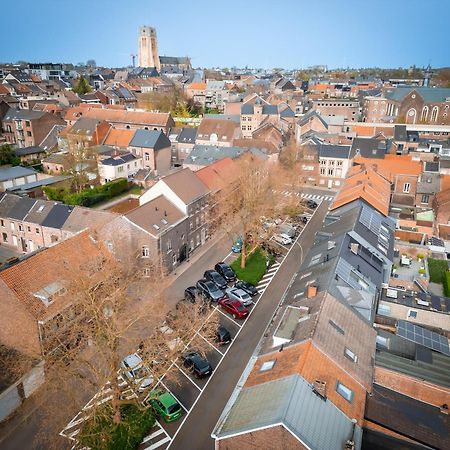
(312, 291)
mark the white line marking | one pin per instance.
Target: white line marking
(169, 390)
(206, 340)
(226, 257)
(263, 286)
(153, 435)
(229, 318)
(187, 376)
(159, 443)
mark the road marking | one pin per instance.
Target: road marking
(187, 376)
(229, 318)
(159, 443)
(226, 257)
(206, 340)
(174, 396)
(153, 435)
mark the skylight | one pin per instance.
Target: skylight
(156, 227)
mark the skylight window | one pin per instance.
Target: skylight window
(344, 391)
(164, 221)
(156, 227)
(41, 208)
(268, 365)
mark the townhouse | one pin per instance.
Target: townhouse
(191, 196)
(338, 107)
(27, 224)
(219, 132)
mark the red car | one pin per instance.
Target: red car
(234, 307)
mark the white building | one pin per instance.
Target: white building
(121, 166)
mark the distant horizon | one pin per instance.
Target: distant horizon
(287, 34)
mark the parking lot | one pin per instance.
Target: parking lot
(181, 383)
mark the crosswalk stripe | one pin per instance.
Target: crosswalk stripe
(153, 435)
(263, 285)
(159, 443)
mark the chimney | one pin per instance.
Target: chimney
(312, 291)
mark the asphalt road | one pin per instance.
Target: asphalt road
(196, 431)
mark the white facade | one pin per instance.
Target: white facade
(108, 172)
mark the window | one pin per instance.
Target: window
(146, 272)
(434, 114)
(13, 226)
(20, 227)
(339, 163)
(174, 259)
(350, 355)
(145, 252)
(331, 162)
(322, 162)
(37, 230)
(5, 237)
(344, 391)
(330, 172)
(169, 246)
(2, 223)
(268, 365)
(406, 188)
(147, 156)
(412, 314)
(322, 171)
(425, 198)
(27, 123)
(120, 169)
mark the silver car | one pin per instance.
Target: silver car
(135, 372)
(240, 295)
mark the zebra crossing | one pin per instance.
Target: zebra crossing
(157, 439)
(302, 195)
(267, 278)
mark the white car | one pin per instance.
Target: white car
(283, 239)
(134, 371)
(240, 295)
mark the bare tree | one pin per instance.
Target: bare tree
(118, 312)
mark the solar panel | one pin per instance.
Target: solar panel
(422, 336)
(436, 303)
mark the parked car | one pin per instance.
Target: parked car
(165, 405)
(216, 278)
(237, 246)
(191, 293)
(223, 336)
(226, 271)
(287, 229)
(240, 295)
(234, 307)
(200, 366)
(303, 219)
(282, 239)
(134, 371)
(247, 287)
(209, 290)
(312, 204)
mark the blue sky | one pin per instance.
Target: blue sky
(257, 33)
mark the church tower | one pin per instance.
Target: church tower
(148, 48)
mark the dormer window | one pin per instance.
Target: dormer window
(48, 293)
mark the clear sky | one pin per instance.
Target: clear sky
(254, 33)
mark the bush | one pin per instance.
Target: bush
(124, 436)
(422, 271)
(437, 269)
(56, 194)
(255, 267)
(446, 283)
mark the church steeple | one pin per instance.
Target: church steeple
(427, 76)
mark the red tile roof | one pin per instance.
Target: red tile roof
(219, 174)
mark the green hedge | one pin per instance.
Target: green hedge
(88, 197)
(437, 269)
(446, 283)
(101, 432)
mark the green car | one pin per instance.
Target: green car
(165, 405)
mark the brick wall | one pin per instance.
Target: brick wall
(275, 438)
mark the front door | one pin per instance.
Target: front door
(183, 253)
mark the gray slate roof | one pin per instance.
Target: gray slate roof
(187, 136)
(400, 133)
(29, 150)
(154, 139)
(204, 155)
(369, 148)
(9, 173)
(23, 114)
(429, 95)
(57, 216)
(336, 151)
(117, 161)
(292, 402)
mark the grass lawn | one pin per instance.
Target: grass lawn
(124, 436)
(437, 269)
(255, 267)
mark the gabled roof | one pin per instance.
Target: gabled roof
(186, 185)
(119, 138)
(316, 423)
(57, 216)
(204, 155)
(23, 114)
(311, 114)
(368, 148)
(187, 135)
(429, 95)
(223, 129)
(51, 140)
(118, 160)
(154, 139)
(218, 175)
(335, 151)
(156, 216)
(364, 183)
(84, 125)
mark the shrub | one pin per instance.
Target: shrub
(126, 435)
(420, 256)
(437, 269)
(422, 271)
(446, 283)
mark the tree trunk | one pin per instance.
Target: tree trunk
(243, 254)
